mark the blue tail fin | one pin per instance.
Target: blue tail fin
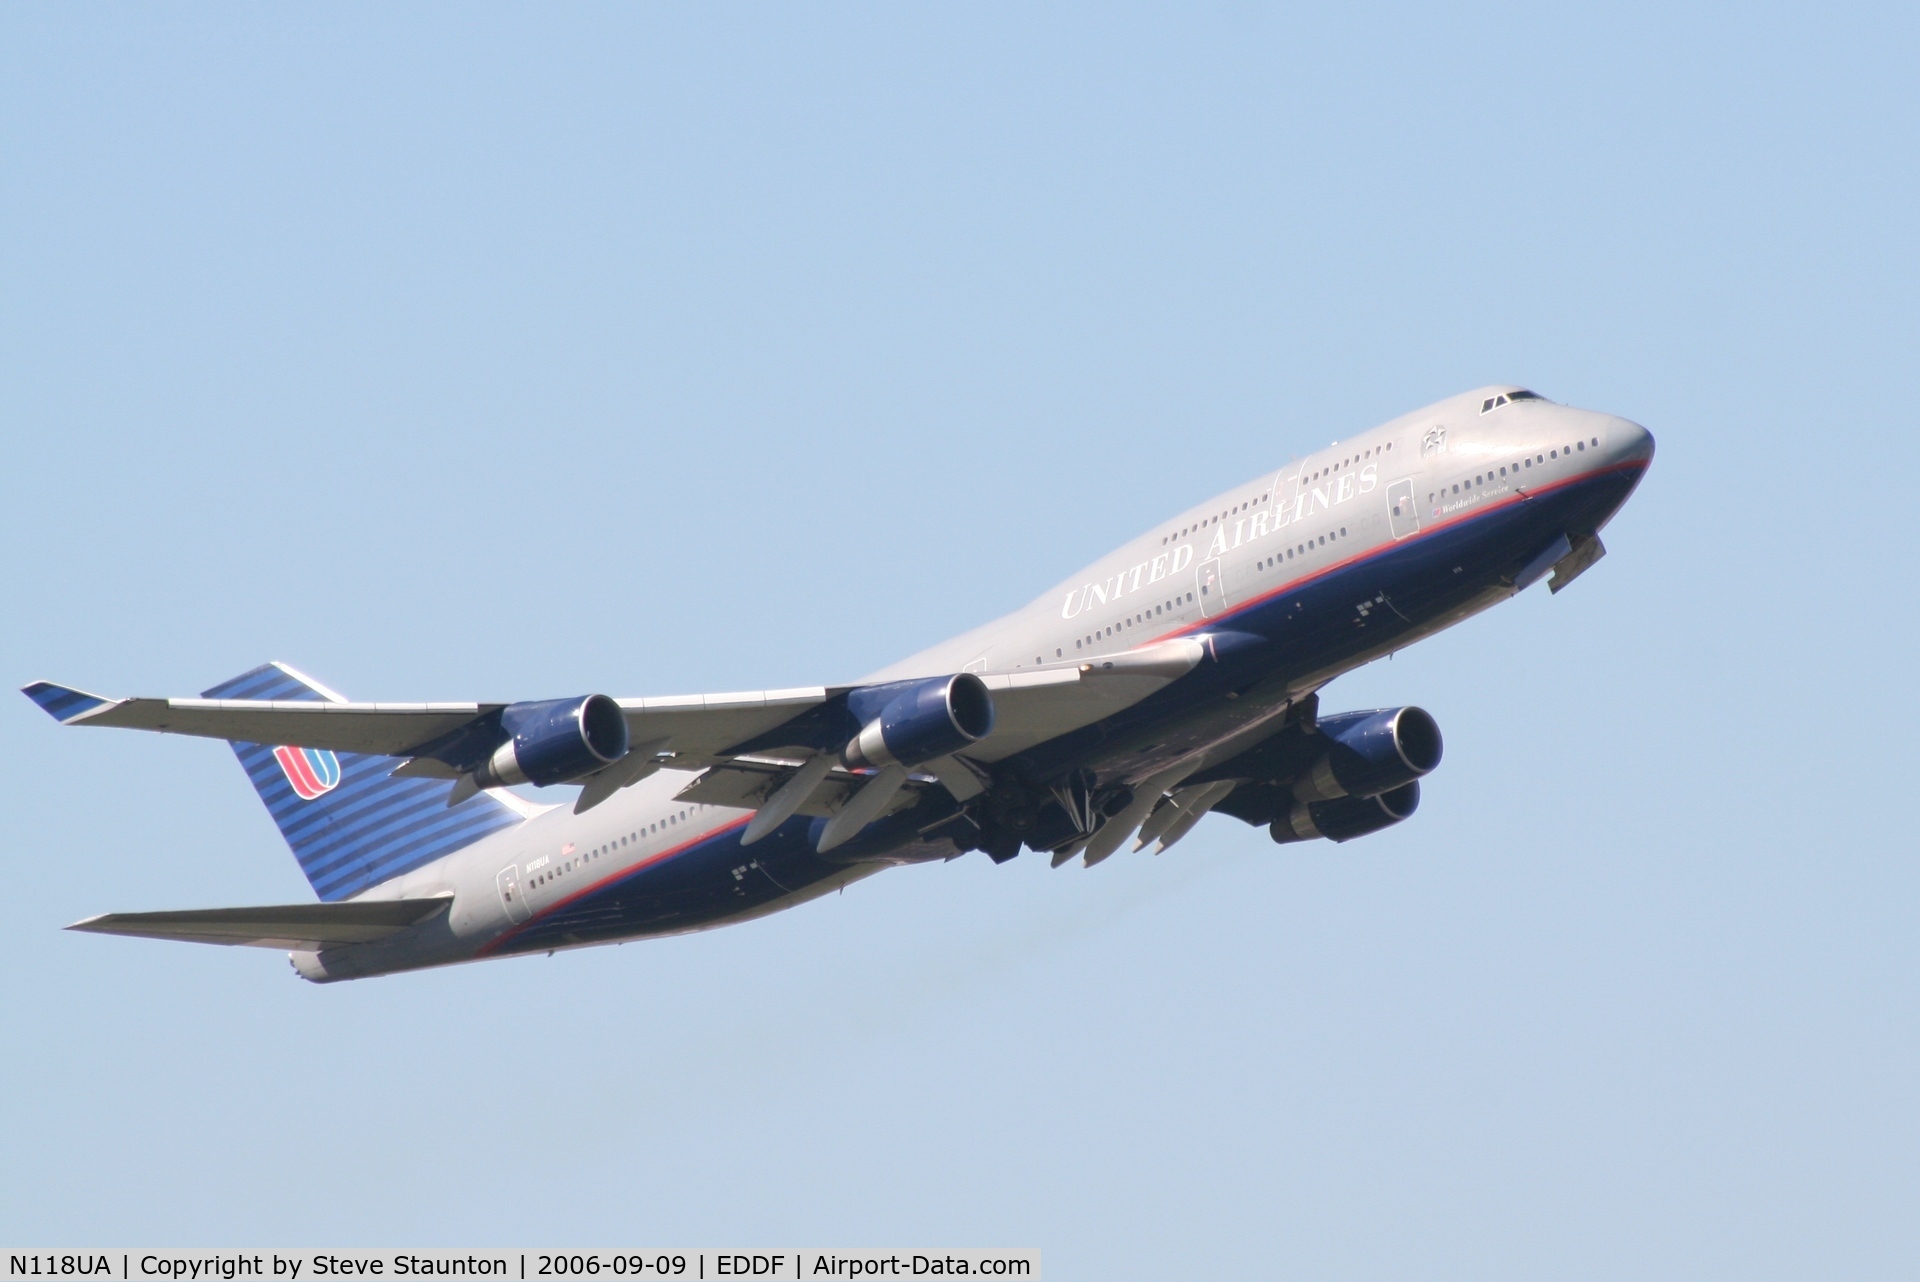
(350, 822)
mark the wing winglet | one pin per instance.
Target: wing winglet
(63, 703)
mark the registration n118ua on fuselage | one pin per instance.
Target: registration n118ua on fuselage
(1175, 678)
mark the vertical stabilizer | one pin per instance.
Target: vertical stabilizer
(351, 824)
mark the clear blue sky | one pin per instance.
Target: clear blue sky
(469, 351)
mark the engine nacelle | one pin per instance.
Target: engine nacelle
(556, 741)
(1345, 818)
(926, 719)
(1371, 753)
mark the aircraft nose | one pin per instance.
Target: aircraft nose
(1629, 442)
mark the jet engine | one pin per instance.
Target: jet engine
(1371, 753)
(1345, 818)
(919, 720)
(555, 741)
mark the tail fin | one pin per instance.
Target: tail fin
(351, 824)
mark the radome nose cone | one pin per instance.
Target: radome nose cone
(1629, 442)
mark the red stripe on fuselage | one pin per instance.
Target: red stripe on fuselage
(1202, 625)
(1378, 549)
(608, 880)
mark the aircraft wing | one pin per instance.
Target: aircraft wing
(1031, 706)
(303, 927)
(706, 725)
(695, 725)
(382, 729)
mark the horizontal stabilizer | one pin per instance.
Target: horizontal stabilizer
(303, 927)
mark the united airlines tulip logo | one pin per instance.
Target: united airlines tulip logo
(311, 771)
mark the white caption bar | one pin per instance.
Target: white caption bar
(122, 1265)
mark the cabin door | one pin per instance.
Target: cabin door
(1212, 587)
(512, 897)
(1402, 514)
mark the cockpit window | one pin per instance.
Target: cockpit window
(1495, 402)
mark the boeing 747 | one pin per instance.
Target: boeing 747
(1177, 677)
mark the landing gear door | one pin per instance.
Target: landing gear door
(1212, 587)
(512, 898)
(1402, 515)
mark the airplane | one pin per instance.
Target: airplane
(1174, 678)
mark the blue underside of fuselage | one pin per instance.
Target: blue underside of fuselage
(708, 880)
(1289, 629)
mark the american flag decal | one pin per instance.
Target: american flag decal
(311, 771)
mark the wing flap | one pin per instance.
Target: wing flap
(304, 927)
(704, 725)
(745, 783)
(1033, 707)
